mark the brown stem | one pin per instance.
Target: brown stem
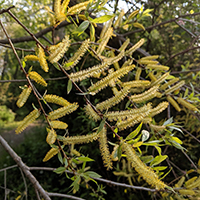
(24, 168)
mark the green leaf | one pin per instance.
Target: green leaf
(101, 125)
(60, 157)
(169, 121)
(86, 159)
(60, 170)
(158, 159)
(23, 64)
(92, 33)
(69, 86)
(102, 19)
(158, 149)
(92, 174)
(83, 26)
(56, 66)
(146, 159)
(68, 64)
(134, 133)
(152, 143)
(159, 168)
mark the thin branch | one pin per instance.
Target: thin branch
(24, 168)
(190, 134)
(6, 10)
(25, 80)
(64, 195)
(10, 167)
(5, 185)
(162, 23)
(99, 179)
(188, 71)
(37, 35)
(190, 160)
(182, 52)
(17, 48)
(25, 184)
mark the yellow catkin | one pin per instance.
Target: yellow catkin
(24, 96)
(91, 113)
(116, 64)
(187, 192)
(138, 73)
(42, 59)
(152, 77)
(161, 79)
(175, 87)
(30, 118)
(170, 82)
(83, 74)
(60, 112)
(190, 181)
(58, 124)
(194, 184)
(50, 98)
(104, 41)
(37, 78)
(64, 6)
(118, 22)
(51, 136)
(79, 53)
(114, 100)
(157, 67)
(174, 103)
(122, 115)
(105, 81)
(103, 146)
(147, 62)
(78, 7)
(186, 104)
(145, 96)
(79, 139)
(146, 172)
(52, 152)
(138, 83)
(135, 47)
(150, 57)
(31, 58)
(157, 128)
(57, 53)
(159, 108)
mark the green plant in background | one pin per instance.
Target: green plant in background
(6, 115)
(121, 91)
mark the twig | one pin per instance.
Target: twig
(64, 195)
(190, 160)
(24, 168)
(99, 179)
(25, 80)
(17, 48)
(162, 23)
(190, 134)
(5, 185)
(6, 10)
(25, 184)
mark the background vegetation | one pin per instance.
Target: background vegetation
(171, 31)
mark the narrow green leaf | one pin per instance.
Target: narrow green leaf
(102, 19)
(68, 64)
(134, 133)
(92, 33)
(60, 170)
(92, 174)
(69, 86)
(101, 125)
(158, 159)
(159, 168)
(83, 26)
(86, 159)
(23, 64)
(60, 157)
(158, 149)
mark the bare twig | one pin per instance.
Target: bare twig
(6, 10)
(99, 179)
(17, 48)
(24, 168)
(189, 160)
(64, 195)
(25, 184)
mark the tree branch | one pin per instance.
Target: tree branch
(24, 168)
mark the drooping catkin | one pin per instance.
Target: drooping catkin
(24, 96)
(30, 118)
(37, 78)
(103, 146)
(146, 172)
